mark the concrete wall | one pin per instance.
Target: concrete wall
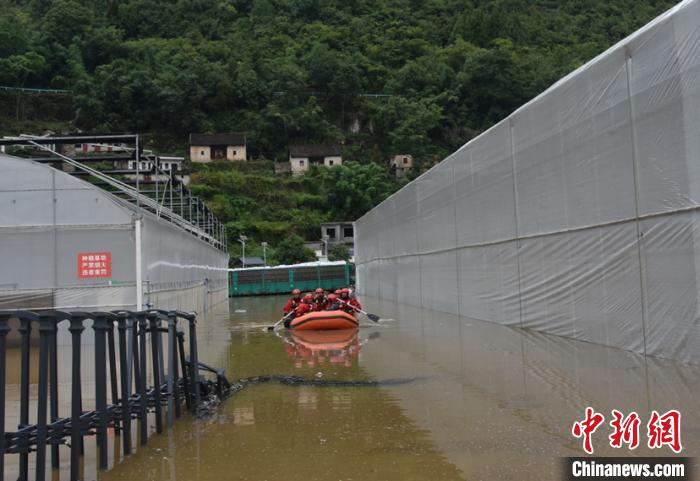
(299, 165)
(200, 153)
(236, 152)
(332, 160)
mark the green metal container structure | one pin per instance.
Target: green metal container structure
(278, 280)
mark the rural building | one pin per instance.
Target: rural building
(251, 261)
(301, 157)
(317, 247)
(92, 148)
(339, 232)
(207, 147)
(401, 165)
(166, 164)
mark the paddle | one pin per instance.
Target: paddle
(272, 328)
(371, 317)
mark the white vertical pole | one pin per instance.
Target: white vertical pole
(139, 279)
(138, 173)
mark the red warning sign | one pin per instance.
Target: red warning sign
(94, 265)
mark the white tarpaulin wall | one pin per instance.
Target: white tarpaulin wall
(48, 217)
(577, 215)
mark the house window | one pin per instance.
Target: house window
(234, 152)
(301, 163)
(347, 231)
(201, 153)
(330, 162)
(405, 160)
(330, 232)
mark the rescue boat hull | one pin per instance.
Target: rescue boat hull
(324, 321)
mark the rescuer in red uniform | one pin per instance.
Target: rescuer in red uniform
(332, 304)
(305, 306)
(292, 303)
(320, 300)
(348, 302)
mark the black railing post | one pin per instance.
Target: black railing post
(46, 327)
(101, 323)
(132, 325)
(25, 329)
(4, 329)
(124, 372)
(183, 366)
(53, 374)
(76, 438)
(130, 352)
(113, 371)
(173, 398)
(143, 395)
(154, 319)
(194, 362)
(54, 317)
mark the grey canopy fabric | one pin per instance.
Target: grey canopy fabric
(577, 215)
(48, 218)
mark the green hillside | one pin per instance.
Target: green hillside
(380, 77)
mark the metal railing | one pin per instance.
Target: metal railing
(139, 336)
(174, 202)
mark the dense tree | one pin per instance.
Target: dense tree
(338, 252)
(353, 189)
(380, 77)
(292, 250)
(305, 70)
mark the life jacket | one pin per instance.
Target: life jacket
(303, 308)
(291, 305)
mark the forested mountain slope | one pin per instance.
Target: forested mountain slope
(381, 77)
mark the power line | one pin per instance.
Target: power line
(361, 94)
(36, 90)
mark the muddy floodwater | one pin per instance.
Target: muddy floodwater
(428, 396)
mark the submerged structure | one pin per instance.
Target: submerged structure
(577, 215)
(76, 237)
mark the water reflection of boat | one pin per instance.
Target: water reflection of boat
(338, 347)
(324, 320)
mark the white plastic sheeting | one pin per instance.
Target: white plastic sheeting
(48, 216)
(577, 215)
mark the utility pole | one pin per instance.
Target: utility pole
(325, 244)
(242, 240)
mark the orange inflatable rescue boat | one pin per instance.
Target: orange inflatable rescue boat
(324, 321)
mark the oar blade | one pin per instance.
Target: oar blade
(373, 317)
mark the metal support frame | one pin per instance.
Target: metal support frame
(207, 230)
